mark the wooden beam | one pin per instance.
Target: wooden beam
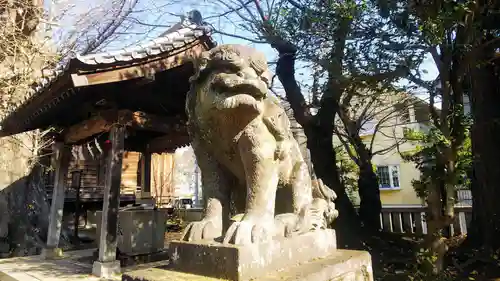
(150, 122)
(168, 142)
(95, 125)
(106, 119)
(142, 69)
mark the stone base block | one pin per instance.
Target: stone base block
(245, 262)
(158, 274)
(52, 253)
(106, 269)
(340, 265)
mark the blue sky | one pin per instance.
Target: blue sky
(152, 17)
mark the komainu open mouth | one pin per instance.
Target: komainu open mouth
(232, 83)
(223, 102)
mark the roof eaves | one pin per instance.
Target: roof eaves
(49, 76)
(165, 43)
(168, 42)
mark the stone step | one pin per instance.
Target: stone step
(340, 265)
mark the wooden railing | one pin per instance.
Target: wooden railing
(412, 220)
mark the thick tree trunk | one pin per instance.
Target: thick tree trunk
(319, 133)
(485, 135)
(436, 223)
(369, 194)
(347, 225)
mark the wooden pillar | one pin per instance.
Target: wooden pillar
(107, 265)
(146, 172)
(61, 158)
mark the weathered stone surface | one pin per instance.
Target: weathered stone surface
(243, 142)
(50, 253)
(250, 261)
(340, 265)
(251, 165)
(159, 274)
(106, 269)
(142, 231)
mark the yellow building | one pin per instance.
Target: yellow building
(386, 141)
(395, 175)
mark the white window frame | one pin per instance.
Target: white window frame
(390, 169)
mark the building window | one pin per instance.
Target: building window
(388, 177)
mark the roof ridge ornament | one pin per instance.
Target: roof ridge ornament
(189, 19)
(194, 17)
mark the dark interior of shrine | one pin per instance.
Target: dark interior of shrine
(162, 95)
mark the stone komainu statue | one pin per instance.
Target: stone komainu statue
(249, 160)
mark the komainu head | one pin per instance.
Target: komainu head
(231, 77)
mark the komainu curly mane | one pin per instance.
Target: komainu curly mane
(250, 162)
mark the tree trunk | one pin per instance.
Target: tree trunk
(348, 224)
(368, 188)
(319, 135)
(323, 158)
(435, 222)
(485, 136)
(369, 194)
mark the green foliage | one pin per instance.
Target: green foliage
(425, 157)
(349, 172)
(369, 45)
(442, 18)
(422, 269)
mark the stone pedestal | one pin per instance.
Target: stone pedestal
(242, 263)
(312, 256)
(106, 269)
(142, 230)
(52, 253)
(342, 265)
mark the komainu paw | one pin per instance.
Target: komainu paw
(206, 229)
(250, 231)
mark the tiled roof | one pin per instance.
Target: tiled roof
(165, 43)
(179, 35)
(49, 76)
